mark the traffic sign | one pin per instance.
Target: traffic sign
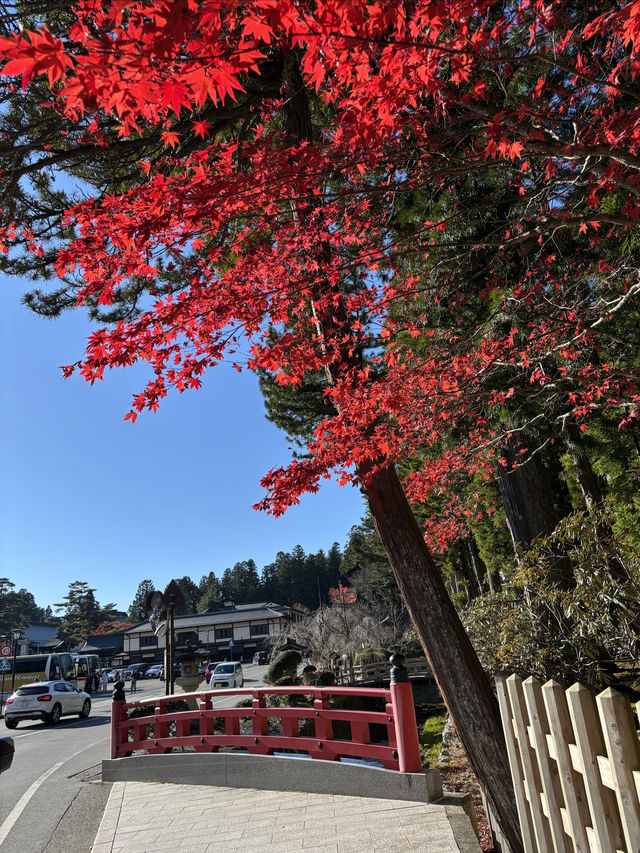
(5, 665)
(6, 650)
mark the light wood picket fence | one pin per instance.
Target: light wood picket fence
(575, 764)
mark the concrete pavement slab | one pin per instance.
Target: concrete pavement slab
(154, 817)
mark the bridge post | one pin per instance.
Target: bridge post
(404, 716)
(118, 701)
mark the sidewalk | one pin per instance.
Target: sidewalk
(162, 817)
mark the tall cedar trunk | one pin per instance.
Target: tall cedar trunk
(464, 685)
(477, 564)
(592, 495)
(473, 583)
(530, 508)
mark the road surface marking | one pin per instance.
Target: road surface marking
(22, 803)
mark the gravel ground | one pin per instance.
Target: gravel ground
(457, 775)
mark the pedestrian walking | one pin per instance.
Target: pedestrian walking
(105, 681)
(134, 680)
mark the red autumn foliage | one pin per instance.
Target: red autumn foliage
(507, 301)
(399, 81)
(342, 595)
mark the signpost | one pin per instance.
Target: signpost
(173, 598)
(160, 606)
(5, 667)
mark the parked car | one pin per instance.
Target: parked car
(7, 751)
(209, 669)
(227, 675)
(46, 700)
(139, 668)
(154, 671)
(177, 671)
(260, 658)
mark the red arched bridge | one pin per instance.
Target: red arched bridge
(320, 722)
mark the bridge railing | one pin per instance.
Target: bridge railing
(379, 670)
(316, 729)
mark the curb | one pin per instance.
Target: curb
(106, 834)
(266, 772)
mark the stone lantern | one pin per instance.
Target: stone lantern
(189, 678)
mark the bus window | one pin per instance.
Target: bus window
(66, 666)
(32, 663)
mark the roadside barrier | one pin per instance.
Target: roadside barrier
(248, 727)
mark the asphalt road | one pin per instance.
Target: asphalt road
(52, 799)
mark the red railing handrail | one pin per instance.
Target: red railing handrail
(375, 692)
(401, 752)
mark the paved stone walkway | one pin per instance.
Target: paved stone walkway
(162, 817)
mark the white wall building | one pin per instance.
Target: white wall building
(226, 631)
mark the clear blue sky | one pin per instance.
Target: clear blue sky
(86, 496)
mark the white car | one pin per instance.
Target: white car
(227, 675)
(46, 700)
(154, 671)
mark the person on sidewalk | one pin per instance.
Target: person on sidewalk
(105, 681)
(134, 680)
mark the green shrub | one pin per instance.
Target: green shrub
(536, 627)
(324, 678)
(141, 711)
(283, 667)
(431, 739)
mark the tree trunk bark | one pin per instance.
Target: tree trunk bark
(465, 687)
(477, 564)
(593, 497)
(472, 582)
(529, 506)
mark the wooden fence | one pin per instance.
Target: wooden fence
(575, 764)
(379, 670)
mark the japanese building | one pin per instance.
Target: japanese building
(232, 631)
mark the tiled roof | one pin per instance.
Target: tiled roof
(103, 642)
(239, 613)
(37, 632)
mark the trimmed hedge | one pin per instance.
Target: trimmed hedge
(284, 669)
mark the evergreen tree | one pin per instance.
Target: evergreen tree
(137, 611)
(241, 584)
(191, 594)
(17, 608)
(82, 613)
(210, 591)
(269, 583)
(226, 585)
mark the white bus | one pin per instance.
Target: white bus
(86, 676)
